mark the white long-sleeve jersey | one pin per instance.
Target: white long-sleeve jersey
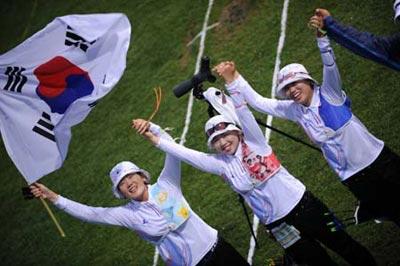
(346, 143)
(185, 245)
(270, 200)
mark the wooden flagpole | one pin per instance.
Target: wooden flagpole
(49, 211)
(51, 214)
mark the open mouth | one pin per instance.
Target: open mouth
(132, 188)
(226, 148)
(296, 95)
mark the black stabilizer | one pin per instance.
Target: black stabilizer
(195, 82)
(182, 88)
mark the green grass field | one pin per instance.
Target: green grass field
(248, 34)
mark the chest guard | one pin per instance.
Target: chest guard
(172, 205)
(334, 116)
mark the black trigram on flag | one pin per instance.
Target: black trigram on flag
(73, 39)
(44, 127)
(15, 80)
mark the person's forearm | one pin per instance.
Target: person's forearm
(255, 100)
(364, 44)
(158, 131)
(53, 197)
(200, 160)
(86, 213)
(172, 165)
(327, 55)
(331, 82)
(251, 130)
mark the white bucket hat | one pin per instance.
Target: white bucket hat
(289, 74)
(218, 125)
(396, 8)
(122, 169)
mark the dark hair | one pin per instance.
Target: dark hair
(311, 83)
(143, 176)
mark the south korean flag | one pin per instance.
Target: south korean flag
(51, 81)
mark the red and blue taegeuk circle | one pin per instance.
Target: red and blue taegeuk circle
(61, 83)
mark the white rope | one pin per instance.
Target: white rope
(199, 34)
(269, 118)
(190, 103)
(155, 259)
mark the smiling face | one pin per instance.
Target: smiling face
(300, 91)
(133, 186)
(226, 143)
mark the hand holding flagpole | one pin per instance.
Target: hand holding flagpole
(42, 192)
(33, 69)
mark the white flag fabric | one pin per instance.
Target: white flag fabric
(51, 81)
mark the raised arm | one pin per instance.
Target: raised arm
(172, 165)
(234, 84)
(331, 85)
(203, 161)
(99, 215)
(274, 107)
(384, 50)
(251, 130)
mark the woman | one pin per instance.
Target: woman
(362, 162)
(296, 218)
(158, 213)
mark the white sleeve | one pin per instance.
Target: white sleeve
(251, 130)
(99, 215)
(200, 160)
(331, 87)
(172, 165)
(279, 108)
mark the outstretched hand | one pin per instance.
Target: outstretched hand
(317, 20)
(142, 127)
(41, 191)
(227, 70)
(322, 12)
